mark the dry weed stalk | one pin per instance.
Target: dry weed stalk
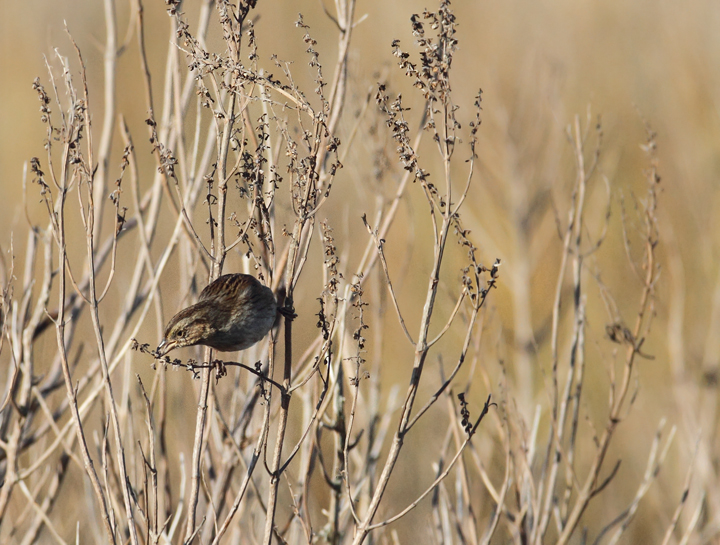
(298, 449)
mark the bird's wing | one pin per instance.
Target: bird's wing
(227, 285)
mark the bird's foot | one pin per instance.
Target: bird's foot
(288, 312)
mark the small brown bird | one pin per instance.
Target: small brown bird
(232, 313)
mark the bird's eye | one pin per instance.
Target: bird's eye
(180, 334)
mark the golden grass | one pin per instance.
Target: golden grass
(579, 98)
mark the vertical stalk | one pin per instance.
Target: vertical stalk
(216, 271)
(282, 427)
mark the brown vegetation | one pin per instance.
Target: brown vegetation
(475, 344)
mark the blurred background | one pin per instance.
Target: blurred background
(539, 64)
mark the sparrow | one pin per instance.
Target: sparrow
(232, 313)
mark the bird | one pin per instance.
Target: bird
(232, 313)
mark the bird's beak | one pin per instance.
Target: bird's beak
(164, 347)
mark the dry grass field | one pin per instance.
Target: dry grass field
(491, 228)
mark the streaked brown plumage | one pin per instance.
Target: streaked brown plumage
(232, 313)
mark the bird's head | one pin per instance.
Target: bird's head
(188, 327)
